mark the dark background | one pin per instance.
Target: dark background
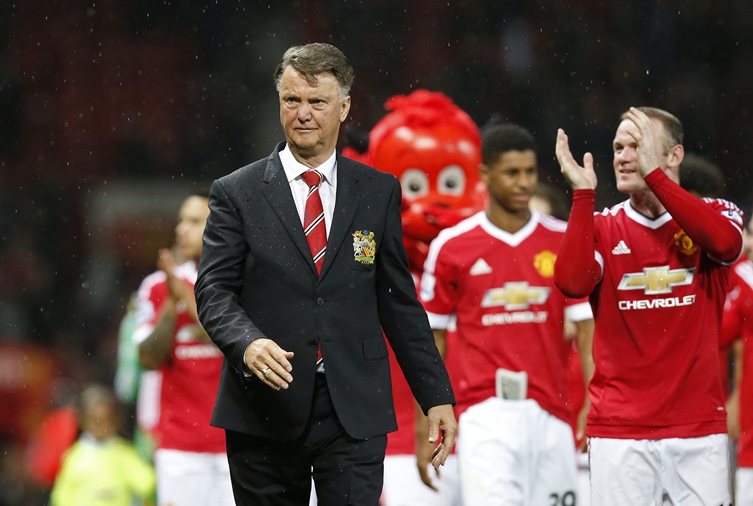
(111, 112)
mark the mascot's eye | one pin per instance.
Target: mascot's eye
(451, 180)
(415, 183)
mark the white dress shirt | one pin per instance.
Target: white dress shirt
(327, 189)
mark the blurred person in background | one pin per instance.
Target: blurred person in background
(704, 179)
(493, 273)
(101, 468)
(190, 458)
(701, 177)
(656, 269)
(737, 328)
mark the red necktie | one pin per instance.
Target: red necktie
(314, 227)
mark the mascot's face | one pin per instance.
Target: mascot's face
(438, 169)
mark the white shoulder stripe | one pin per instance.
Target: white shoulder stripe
(552, 223)
(447, 234)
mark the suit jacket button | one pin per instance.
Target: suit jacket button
(319, 301)
(313, 343)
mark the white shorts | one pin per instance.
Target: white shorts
(192, 479)
(584, 480)
(744, 486)
(515, 453)
(686, 471)
(403, 485)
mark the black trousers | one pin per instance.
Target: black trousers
(346, 471)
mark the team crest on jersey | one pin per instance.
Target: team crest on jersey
(364, 246)
(544, 263)
(684, 243)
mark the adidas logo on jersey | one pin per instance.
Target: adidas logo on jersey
(480, 267)
(621, 249)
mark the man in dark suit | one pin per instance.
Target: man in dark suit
(284, 303)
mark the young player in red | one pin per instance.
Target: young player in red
(656, 269)
(190, 459)
(493, 273)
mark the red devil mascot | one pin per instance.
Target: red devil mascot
(434, 149)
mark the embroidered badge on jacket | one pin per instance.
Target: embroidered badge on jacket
(364, 246)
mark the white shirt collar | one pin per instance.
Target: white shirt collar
(293, 168)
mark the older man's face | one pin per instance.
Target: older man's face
(311, 115)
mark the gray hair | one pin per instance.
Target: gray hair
(313, 59)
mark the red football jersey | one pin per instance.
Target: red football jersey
(737, 321)
(190, 376)
(509, 313)
(657, 308)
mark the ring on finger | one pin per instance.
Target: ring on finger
(264, 372)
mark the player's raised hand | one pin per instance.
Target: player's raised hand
(646, 141)
(579, 177)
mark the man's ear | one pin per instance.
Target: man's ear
(676, 155)
(344, 108)
(483, 172)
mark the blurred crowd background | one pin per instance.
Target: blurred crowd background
(112, 111)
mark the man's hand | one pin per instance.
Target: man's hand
(270, 363)
(643, 133)
(580, 178)
(442, 419)
(424, 449)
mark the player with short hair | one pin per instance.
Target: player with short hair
(493, 273)
(190, 459)
(656, 269)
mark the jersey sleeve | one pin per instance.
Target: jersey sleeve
(731, 327)
(439, 289)
(576, 271)
(578, 310)
(715, 224)
(738, 306)
(149, 299)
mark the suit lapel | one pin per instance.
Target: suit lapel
(345, 209)
(278, 194)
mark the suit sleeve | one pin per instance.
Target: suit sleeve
(220, 279)
(404, 320)
(576, 271)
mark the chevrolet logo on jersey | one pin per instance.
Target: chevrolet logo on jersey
(515, 295)
(656, 280)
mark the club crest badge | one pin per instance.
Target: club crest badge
(364, 247)
(684, 243)
(544, 263)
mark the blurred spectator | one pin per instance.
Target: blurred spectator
(701, 177)
(101, 468)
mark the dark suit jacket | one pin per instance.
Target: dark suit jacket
(257, 279)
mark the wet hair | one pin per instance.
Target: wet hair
(500, 139)
(313, 59)
(673, 131)
(701, 177)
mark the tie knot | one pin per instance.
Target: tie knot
(312, 178)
